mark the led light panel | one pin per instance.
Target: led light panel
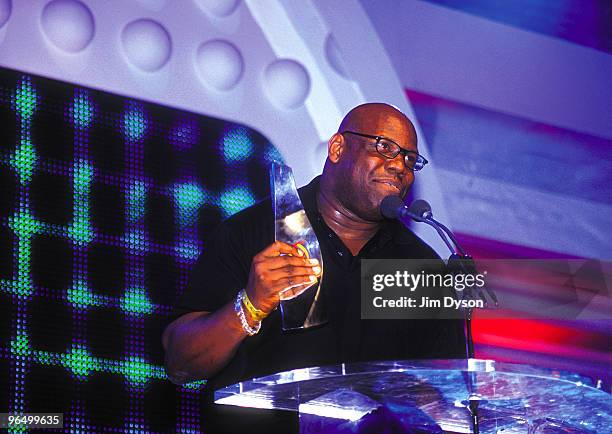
(104, 206)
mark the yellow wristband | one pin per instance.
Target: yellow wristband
(255, 313)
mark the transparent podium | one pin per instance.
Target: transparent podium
(433, 396)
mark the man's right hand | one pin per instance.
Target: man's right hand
(199, 344)
(277, 268)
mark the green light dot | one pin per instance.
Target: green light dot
(235, 200)
(20, 346)
(44, 358)
(81, 231)
(23, 287)
(136, 197)
(79, 361)
(81, 110)
(134, 122)
(137, 371)
(81, 296)
(83, 175)
(24, 160)
(26, 99)
(18, 429)
(189, 198)
(24, 224)
(236, 145)
(195, 384)
(136, 301)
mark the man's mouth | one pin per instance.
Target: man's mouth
(391, 184)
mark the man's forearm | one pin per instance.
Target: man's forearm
(200, 344)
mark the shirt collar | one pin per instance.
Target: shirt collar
(392, 230)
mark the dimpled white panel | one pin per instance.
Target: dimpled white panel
(335, 57)
(146, 44)
(219, 64)
(5, 11)
(286, 83)
(68, 24)
(219, 8)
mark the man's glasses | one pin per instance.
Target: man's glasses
(389, 149)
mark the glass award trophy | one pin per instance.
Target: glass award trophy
(301, 306)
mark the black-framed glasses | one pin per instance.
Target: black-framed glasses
(389, 149)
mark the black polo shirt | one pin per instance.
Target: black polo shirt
(223, 269)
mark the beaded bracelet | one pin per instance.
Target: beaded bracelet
(241, 316)
(256, 314)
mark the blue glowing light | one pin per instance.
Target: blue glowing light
(134, 122)
(81, 111)
(184, 135)
(81, 231)
(189, 197)
(236, 145)
(235, 199)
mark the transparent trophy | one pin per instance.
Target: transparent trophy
(302, 306)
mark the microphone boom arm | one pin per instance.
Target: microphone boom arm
(458, 248)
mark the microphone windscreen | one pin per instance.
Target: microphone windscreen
(390, 206)
(420, 207)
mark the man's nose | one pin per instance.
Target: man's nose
(396, 165)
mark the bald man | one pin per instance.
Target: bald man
(374, 154)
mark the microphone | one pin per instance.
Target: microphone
(421, 208)
(393, 207)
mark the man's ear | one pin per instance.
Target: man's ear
(336, 146)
